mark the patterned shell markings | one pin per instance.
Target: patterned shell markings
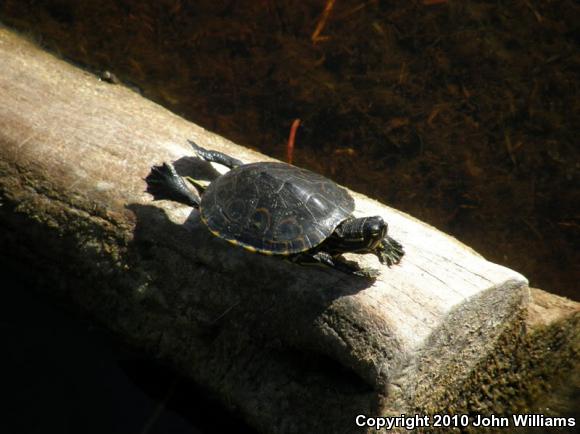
(274, 208)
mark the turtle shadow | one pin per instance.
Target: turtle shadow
(192, 274)
(182, 252)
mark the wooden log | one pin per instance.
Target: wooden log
(269, 338)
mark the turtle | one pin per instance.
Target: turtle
(278, 209)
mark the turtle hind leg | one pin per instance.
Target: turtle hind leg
(325, 259)
(163, 182)
(215, 156)
(389, 251)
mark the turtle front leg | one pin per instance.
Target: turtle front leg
(326, 259)
(389, 251)
(215, 156)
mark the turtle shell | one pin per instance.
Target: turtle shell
(274, 208)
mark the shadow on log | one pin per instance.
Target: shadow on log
(293, 349)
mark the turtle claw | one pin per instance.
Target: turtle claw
(338, 263)
(163, 182)
(390, 251)
(352, 268)
(367, 273)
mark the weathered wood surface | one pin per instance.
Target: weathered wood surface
(294, 349)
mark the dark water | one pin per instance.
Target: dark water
(61, 374)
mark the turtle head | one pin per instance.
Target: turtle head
(374, 229)
(361, 235)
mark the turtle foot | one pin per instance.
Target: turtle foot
(163, 182)
(390, 251)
